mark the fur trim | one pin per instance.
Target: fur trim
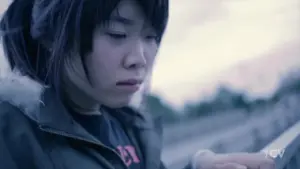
(20, 91)
(25, 93)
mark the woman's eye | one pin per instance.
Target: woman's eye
(117, 35)
(151, 37)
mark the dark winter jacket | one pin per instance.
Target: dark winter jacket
(37, 132)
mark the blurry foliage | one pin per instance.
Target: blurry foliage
(225, 99)
(158, 108)
(290, 83)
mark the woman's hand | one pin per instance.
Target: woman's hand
(208, 160)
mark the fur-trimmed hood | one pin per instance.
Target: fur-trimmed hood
(25, 93)
(20, 91)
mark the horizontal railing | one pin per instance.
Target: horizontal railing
(286, 149)
(251, 136)
(278, 122)
(201, 126)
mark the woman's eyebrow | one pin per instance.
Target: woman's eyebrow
(122, 20)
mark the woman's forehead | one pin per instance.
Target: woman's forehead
(128, 12)
(145, 14)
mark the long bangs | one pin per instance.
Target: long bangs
(93, 14)
(98, 12)
(157, 13)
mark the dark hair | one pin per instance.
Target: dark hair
(39, 34)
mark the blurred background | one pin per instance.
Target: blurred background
(227, 76)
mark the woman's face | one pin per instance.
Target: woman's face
(122, 56)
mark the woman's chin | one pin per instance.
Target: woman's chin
(118, 103)
(115, 102)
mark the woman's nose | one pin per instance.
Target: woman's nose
(136, 56)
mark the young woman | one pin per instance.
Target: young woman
(78, 65)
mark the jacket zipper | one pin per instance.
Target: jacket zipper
(64, 134)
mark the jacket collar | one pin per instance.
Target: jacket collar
(41, 105)
(54, 115)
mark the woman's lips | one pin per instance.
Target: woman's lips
(131, 85)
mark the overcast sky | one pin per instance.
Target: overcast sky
(205, 37)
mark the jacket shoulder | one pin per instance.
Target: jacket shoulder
(19, 96)
(17, 138)
(12, 121)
